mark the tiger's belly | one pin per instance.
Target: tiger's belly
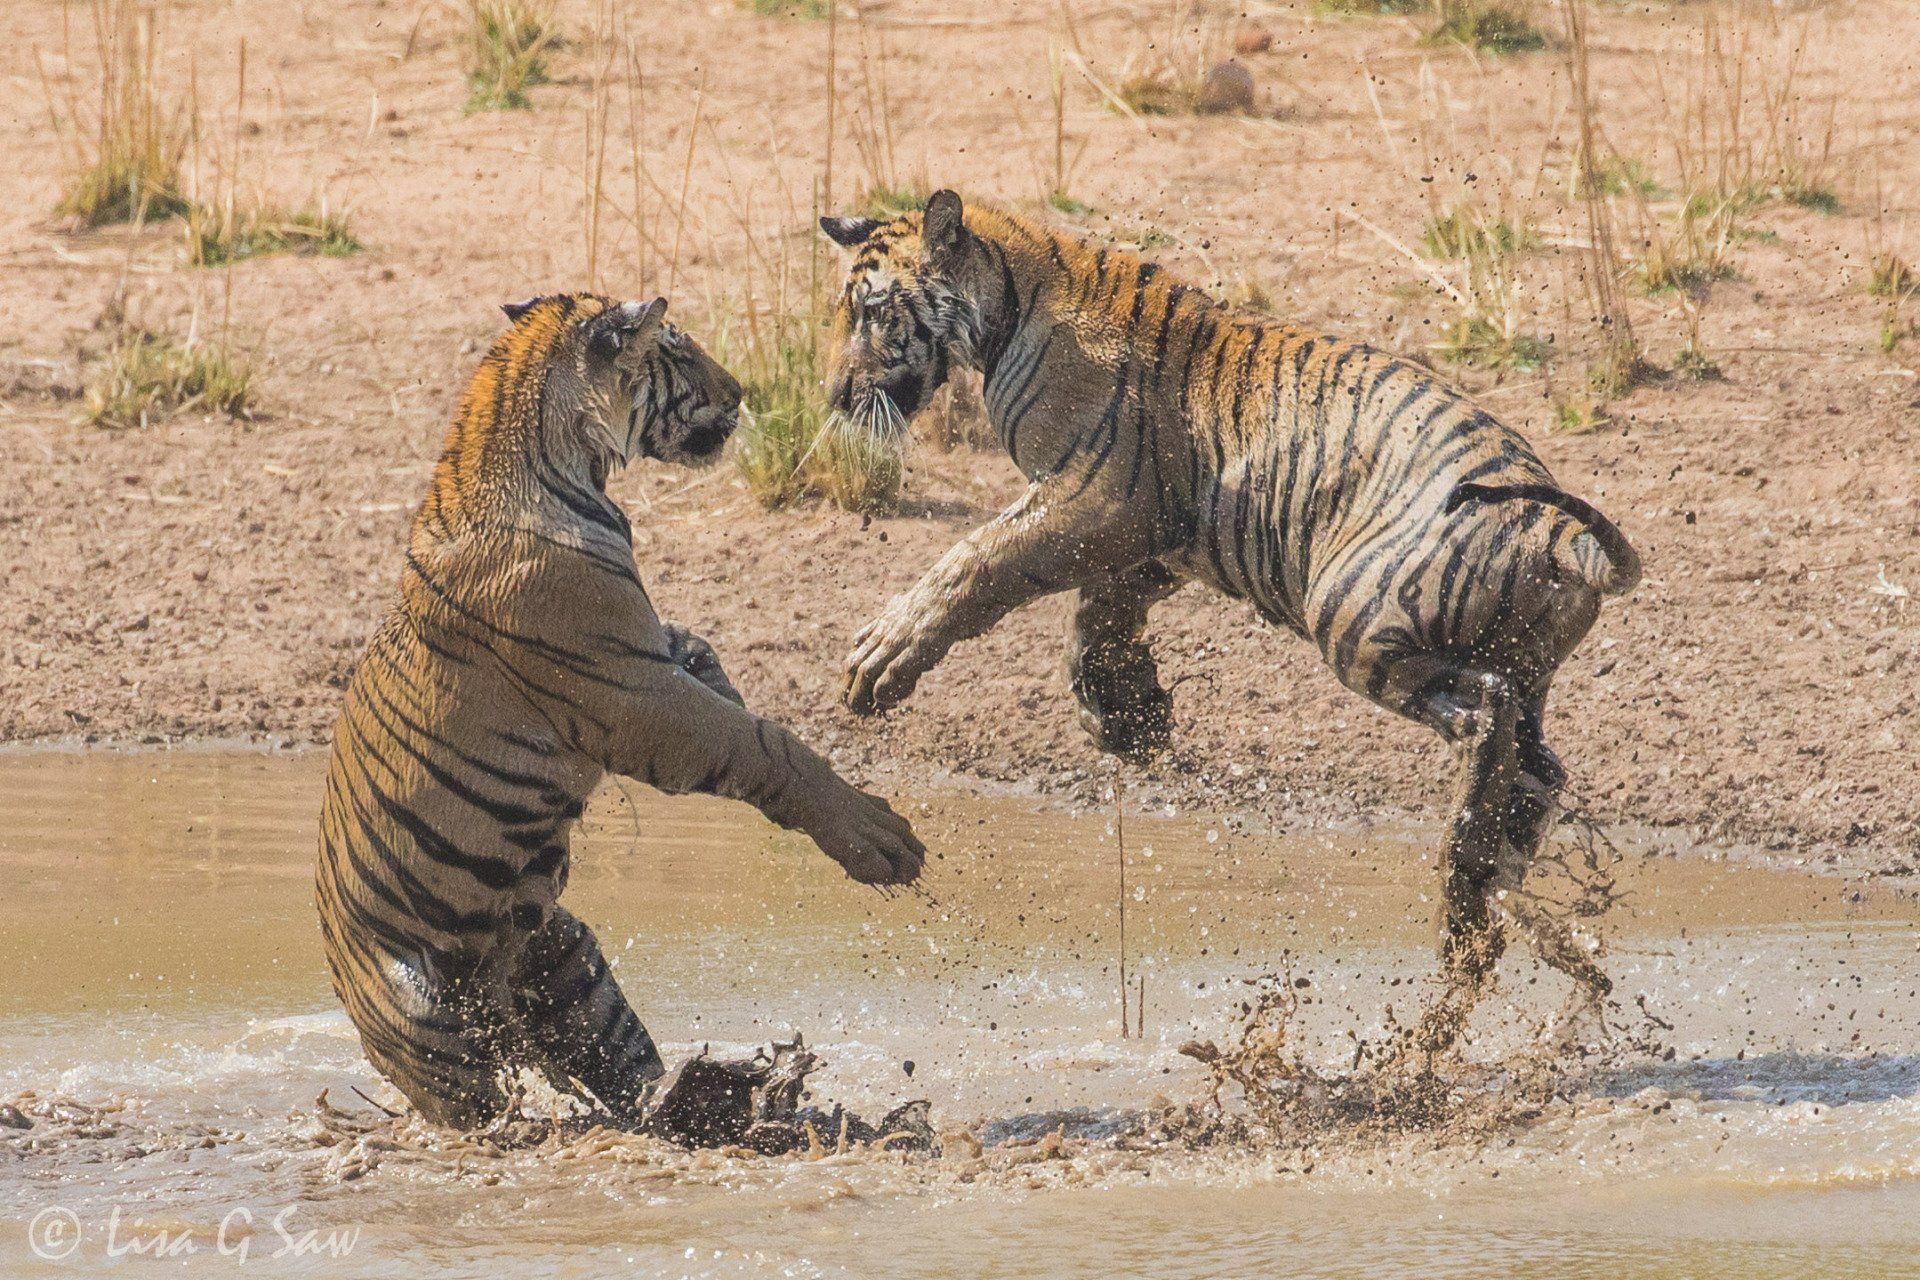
(1242, 548)
(442, 837)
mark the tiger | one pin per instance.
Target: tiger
(521, 664)
(1351, 497)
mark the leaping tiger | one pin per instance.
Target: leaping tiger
(522, 662)
(1350, 496)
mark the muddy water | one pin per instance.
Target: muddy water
(163, 1003)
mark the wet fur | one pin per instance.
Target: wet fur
(1349, 496)
(523, 662)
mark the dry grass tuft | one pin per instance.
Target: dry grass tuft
(1488, 330)
(1463, 229)
(1054, 177)
(781, 419)
(126, 146)
(1743, 129)
(146, 375)
(790, 446)
(1618, 366)
(1889, 276)
(1692, 362)
(890, 191)
(1183, 65)
(1694, 254)
(1579, 413)
(509, 42)
(1368, 8)
(215, 238)
(1491, 26)
(857, 468)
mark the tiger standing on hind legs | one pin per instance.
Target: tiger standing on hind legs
(523, 662)
(1350, 496)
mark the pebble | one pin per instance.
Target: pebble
(1252, 40)
(1227, 90)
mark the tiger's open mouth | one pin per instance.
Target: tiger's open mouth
(904, 392)
(884, 408)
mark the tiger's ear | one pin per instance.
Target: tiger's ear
(941, 227)
(616, 327)
(515, 310)
(849, 233)
(638, 317)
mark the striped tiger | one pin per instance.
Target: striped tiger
(522, 662)
(1349, 496)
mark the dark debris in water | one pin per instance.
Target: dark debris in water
(756, 1103)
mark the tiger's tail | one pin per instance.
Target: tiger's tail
(1621, 572)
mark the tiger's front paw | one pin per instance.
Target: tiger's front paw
(873, 844)
(888, 660)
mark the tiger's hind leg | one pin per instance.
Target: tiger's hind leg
(1475, 712)
(577, 1022)
(435, 1040)
(1110, 668)
(1534, 808)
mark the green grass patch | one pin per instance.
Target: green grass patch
(1491, 27)
(1061, 202)
(1479, 341)
(1617, 175)
(1461, 231)
(1818, 199)
(1578, 414)
(215, 239)
(1895, 329)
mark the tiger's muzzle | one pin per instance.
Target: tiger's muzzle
(862, 398)
(708, 430)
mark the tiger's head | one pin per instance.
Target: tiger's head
(906, 315)
(635, 386)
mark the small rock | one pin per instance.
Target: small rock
(12, 1117)
(1252, 40)
(1227, 90)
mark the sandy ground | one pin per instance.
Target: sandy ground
(205, 578)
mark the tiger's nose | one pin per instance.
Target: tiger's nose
(840, 392)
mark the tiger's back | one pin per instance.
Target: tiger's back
(1314, 476)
